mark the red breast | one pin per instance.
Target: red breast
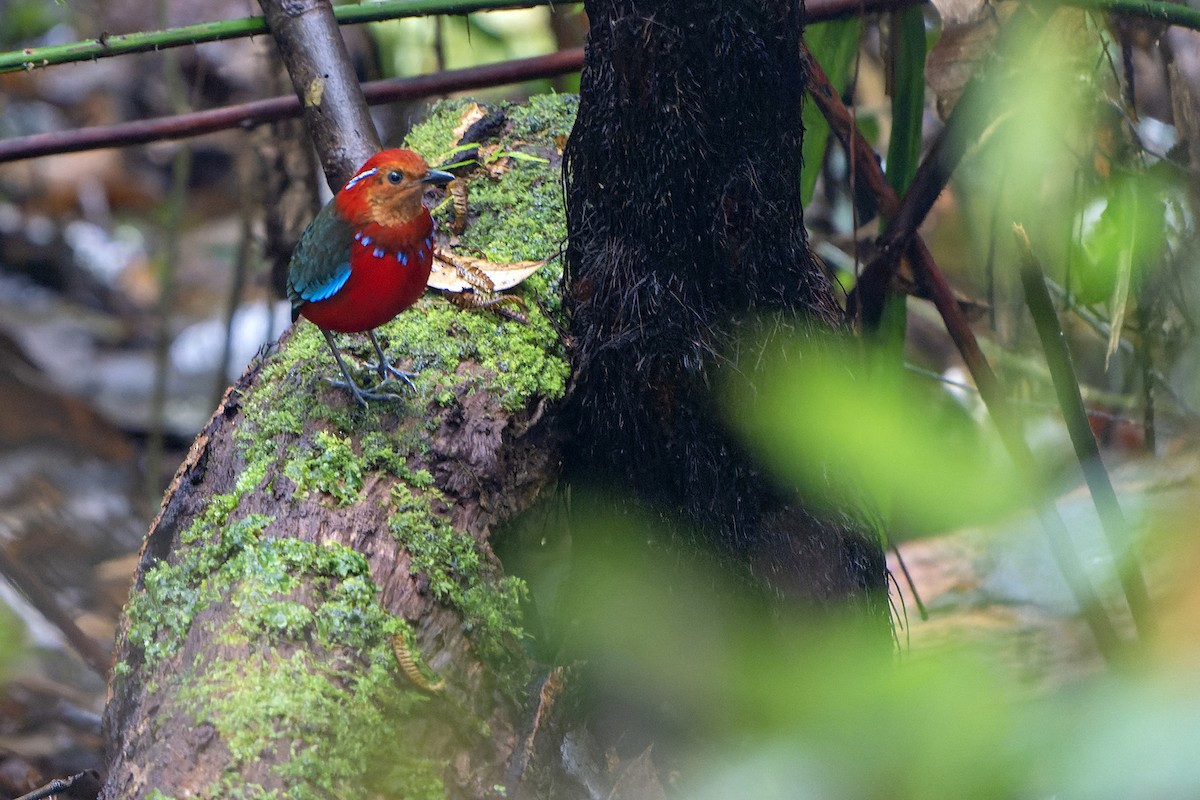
(388, 273)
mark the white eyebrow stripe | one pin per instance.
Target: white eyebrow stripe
(366, 173)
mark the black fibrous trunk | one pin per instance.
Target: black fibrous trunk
(685, 222)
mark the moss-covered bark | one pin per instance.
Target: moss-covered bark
(304, 536)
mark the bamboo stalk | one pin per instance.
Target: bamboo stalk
(123, 44)
(106, 45)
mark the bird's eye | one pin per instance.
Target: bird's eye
(395, 176)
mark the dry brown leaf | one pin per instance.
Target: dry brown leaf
(472, 115)
(457, 273)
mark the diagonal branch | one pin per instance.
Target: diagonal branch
(1066, 385)
(964, 127)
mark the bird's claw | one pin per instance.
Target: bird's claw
(363, 395)
(387, 372)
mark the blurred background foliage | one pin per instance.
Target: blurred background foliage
(992, 686)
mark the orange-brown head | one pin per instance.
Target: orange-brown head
(387, 190)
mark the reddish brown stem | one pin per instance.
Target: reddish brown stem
(261, 112)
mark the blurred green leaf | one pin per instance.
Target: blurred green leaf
(1120, 242)
(1041, 123)
(841, 422)
(791, 704)
(1121, 736)
(22, 20)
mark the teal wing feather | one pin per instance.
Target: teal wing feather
(320, 263)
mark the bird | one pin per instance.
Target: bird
(366, 257)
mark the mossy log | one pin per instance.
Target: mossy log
(318, 612)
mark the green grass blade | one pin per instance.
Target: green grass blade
(834, 45)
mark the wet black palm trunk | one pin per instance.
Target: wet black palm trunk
(685, 221)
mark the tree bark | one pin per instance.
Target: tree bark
(685, 222)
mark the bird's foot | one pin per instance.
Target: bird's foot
(384, 367)
(387, 372)
(363, 395)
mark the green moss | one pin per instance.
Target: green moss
(338, 714)
(173, 593)
(330, 467)
(544, 117)
(452, 563)
(258, 574)
(339, 718)
(434, 138)
(511, 222)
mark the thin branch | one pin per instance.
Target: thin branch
(167, 273)
(968, 123)
(46, 602)
(80, 786)
(1066, 385)
(261, 112)
(931, 280)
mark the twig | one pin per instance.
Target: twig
(262, 112)
(1066, 385)
(83, 785)
(335, 112)
(912, 586)
(181, 172)
(35, 591)
(249, 200)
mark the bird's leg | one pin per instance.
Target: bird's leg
(360, 395)
(385, 369)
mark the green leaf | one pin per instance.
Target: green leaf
(908, 96)
(834, 45)
(842, 425)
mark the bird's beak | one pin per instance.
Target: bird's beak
(437, 177)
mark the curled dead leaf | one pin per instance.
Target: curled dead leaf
(457, 273)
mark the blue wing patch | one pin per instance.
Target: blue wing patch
(313, 292)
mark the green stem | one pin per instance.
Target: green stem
(104, 45)
(1066, 385)
(353, 14)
